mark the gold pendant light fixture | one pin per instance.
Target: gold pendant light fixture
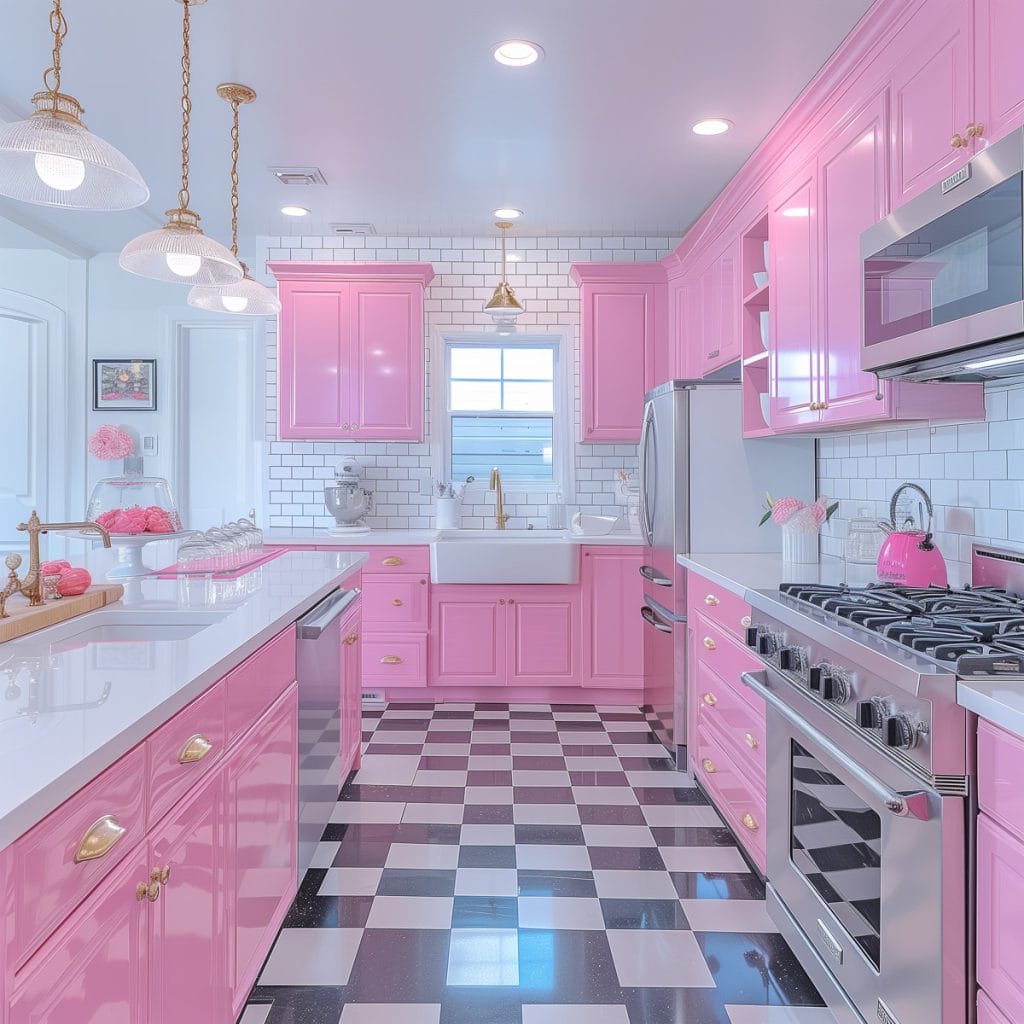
(504, 307)
(52, 159)
(246, 297)
(179, 251)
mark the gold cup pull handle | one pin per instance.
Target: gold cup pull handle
(391, 659)
(392, 560)
(710, 699)
(350, 639)
(100, 838)
(751, 740)
(711, 600)
(709, 766)
(750, 822)
(195, 749)
(397, 602)
(710, 644)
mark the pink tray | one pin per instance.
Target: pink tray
(231, 573)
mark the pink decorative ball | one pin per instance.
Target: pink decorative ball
(73, 582)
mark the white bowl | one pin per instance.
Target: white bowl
(760, 278)
(766, 408)
(765, 324)
(592, 526)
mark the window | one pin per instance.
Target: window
(507, 407)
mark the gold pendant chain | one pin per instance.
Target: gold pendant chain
(186, 103)
(59, 28)
(234, 179)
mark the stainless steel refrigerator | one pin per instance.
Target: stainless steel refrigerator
(701, 490)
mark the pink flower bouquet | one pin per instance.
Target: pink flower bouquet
(798, 515)
(110, 442)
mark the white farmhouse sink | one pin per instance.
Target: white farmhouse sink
(504, 556)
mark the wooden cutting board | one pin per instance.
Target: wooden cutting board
(23, 620)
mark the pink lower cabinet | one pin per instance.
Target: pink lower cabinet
(262, 838)
(612, 629)
(468, 645)
(543, 636)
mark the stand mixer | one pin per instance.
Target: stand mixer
(347, 500)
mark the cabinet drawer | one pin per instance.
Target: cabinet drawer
(100, 824)
(184, 749)
(740, 801)
(719, 605)
(742, 725)
(255, 684)
(1000, 769)
(398, 660)
(397, 602)
(1000, 951)
(398, 559)
(730, 659)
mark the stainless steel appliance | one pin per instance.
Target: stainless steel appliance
(318, 671)
(869, 781)
(943, 276)
(701, 489)
(347, 500)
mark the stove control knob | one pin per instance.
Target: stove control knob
(750, 636)
(900, 732)
(814, 676)
(834, 689)
(870, 714)
(789, 659)
(766, 644)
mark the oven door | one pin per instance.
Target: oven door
(867, 860)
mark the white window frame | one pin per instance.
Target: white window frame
(563, 423)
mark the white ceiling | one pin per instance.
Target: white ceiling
(414, 125)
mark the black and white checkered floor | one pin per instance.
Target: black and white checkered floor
(527, 864)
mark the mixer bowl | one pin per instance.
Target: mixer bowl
(348, 503)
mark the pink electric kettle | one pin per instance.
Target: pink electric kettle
(909, 557)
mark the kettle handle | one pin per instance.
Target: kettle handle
(927, 504)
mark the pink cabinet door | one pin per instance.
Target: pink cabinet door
(792, 225)
(617, 348)
(1001, 917)
(351, 694)
(931, 87)
(188, 972)
(313, 375)
(680, 303)
(853, 195)
(93, 969)
(720, 309)
(998, 69)
(543, 636)
(468, 643)
(613, 631)
(387, 360)
(262, 838)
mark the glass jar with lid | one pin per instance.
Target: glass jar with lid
(863, 539)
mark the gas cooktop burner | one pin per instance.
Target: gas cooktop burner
(979, 631)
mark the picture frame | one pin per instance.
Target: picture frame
(124, 385)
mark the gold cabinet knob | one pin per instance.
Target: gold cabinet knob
(160, 875)
(392, 560)
(709, 766)
(750, 822)
(710, 644)
(957, 141)
(709, 699)
(99, 839)
(975, 130)
(745, 621)
(423, 583)
(397, 602)
(195, 749)
(501, 600)
(711, 600)
(149, 890)
(391, 659)
(751, 740)
(345, 426)
(350, 639)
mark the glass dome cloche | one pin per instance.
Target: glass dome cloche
(134, 503)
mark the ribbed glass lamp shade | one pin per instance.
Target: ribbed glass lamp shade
(179, 252)
(245, 298)
(52, 159)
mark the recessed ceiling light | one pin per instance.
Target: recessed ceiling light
(517, 53)
(711, 126)
(294, 211)
(508, 213)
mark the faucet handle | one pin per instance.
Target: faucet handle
(12, 561)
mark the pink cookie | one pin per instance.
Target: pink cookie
(74, 582)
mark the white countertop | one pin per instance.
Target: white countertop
(999, 701)
(68, 712)
(741, 573)
(321, 538)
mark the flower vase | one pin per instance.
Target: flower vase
(799, 546)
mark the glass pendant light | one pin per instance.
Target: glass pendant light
(504, 307)
(179, 251)
(246, 297)
(52, 159)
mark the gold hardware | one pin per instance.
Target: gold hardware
(511, 600)
(350, 639)
(750, 822)
(975, 131)
(140, 891)
(590, 430)
(195, 749)
(503, 305)
(391, 659)
(745, 621)
(710, 644)
(958, 141)
(751, 740)
(345, 426)
(711, 600)
(501, 600)
(709, 766)
(100, 838)
(397, 602)
(423, 583)
(392, 560)
(150, 891)
(163, 874)
(501, 517)
(710, 699)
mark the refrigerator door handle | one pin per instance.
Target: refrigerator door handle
(659, 579)
(648, 480)
(652, 617)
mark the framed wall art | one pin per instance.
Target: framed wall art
(124, 385)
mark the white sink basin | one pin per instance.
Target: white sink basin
(504, 556)
(121, 626)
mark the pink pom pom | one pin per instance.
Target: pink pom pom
(111, 442)
(785, 508)
(74, 582)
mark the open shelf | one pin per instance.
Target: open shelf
(754, 328)
(754, 360)
(758, 297)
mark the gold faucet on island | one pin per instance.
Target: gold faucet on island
(31, 585)
(500, 515)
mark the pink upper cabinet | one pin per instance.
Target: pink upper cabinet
(931, 85)
(624, 314)
(998, 68)
(351, 350)
(720, 311)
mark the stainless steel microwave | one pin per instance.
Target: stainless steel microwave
(943, 276)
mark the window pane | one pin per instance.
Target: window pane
(520, 447)
(529, 363)
(476, 363)
(475, 395)
(522, 397)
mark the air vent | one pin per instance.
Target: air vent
(373, 700)
(299, 175)
(352, 229)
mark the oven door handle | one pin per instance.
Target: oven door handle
(902, 804)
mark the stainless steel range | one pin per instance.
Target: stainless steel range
(869, 788)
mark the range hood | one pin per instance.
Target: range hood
(992, 360)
